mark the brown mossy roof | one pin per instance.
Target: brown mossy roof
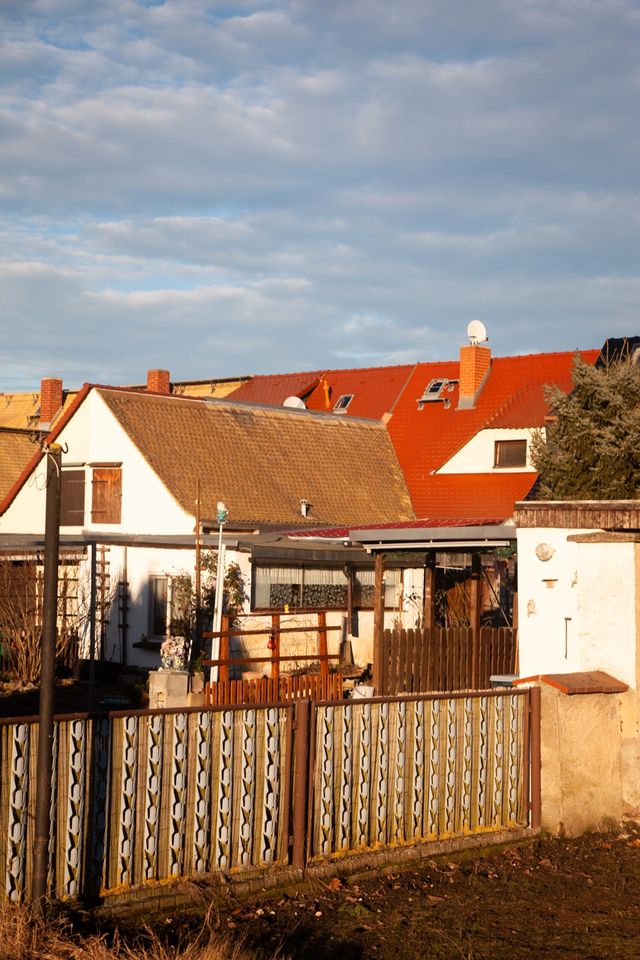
(262, 461)
(16, 451)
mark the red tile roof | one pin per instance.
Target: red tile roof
(511, 398)
(478, 497)
(274, 389)
(343, 533)
(375, 389)
(426, 439)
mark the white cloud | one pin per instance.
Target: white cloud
(327, 181)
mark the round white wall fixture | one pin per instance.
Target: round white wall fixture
(544, 551)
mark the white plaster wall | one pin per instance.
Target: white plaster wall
(147, 506)
(607, 609)
(477, 456)
(591, 584)
(94, 435)
(26, 512)
(547, 604)
(143, 563)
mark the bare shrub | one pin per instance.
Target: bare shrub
(25, 935)
(21, 598)
(21, 932)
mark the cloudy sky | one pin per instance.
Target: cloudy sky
(225, 188)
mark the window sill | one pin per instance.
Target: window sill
(147, 644)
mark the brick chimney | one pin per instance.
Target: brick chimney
(475, 364)
(50, 400)
(159, 381)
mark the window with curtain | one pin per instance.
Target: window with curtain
(275, 586)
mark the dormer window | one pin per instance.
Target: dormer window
(343, 402)
(510, 453)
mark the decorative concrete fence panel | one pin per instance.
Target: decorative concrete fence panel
(147, 797)
(410, 770)
(141, 799)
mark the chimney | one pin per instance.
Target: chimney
(50, 400)
(159, 381)
(475, 364)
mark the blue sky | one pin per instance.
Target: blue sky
(232, 188)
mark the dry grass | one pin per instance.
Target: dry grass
(24, 935)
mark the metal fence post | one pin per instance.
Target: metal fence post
(300, 780)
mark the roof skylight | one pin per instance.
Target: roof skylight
(435, 390)
(343, 401)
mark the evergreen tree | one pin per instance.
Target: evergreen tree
(592, 445)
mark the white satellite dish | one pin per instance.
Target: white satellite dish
(295, 403)
(477, 332)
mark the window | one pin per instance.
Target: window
(169, 600)
(364, 582)
(107, 495)
(433, 390)
(510, 453)
(72, 498)
(309, 587)
(158, 606)
(343, 401)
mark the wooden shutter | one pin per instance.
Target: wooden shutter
(72, 498)
(107, 495)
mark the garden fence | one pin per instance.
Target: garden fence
(142, 798)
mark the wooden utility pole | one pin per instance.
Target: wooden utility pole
(429, 617)
(475, 603)
(42, 820)
(198, 573)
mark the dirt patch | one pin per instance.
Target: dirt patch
(577, 898)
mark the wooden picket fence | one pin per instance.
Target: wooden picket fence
(275, 689)
(443, 659)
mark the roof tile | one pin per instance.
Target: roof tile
(263, 461)
(17, 449)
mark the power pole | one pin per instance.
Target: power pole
(197, 651)
(42, 820)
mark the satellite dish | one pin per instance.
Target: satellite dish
(477, 332)
(295, 403)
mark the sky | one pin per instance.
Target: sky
(261, 186)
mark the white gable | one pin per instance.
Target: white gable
(93, 436)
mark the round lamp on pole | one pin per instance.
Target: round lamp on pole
(221, 516)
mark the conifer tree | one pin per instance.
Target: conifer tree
(592, 445)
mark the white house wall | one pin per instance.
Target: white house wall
(607, 608)
(547, 604)
(477, 456)
(147, 506)
(577, 610)
(93, 435)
